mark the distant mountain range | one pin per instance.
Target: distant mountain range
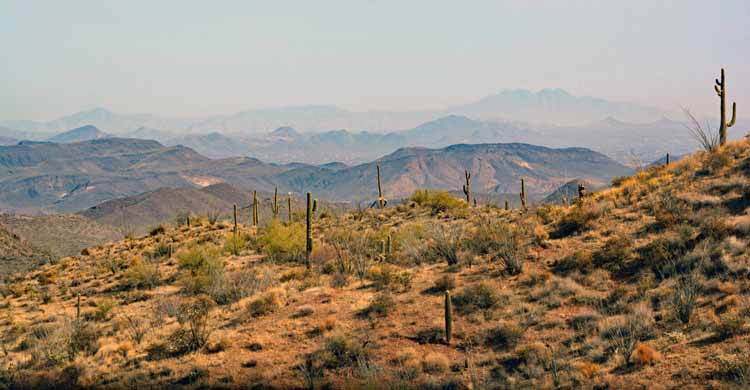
(554, 106)
(55, 177)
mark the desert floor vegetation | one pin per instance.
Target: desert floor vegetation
(643, 285)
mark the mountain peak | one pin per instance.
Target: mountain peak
(83, 133)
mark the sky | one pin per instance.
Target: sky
(198, 58)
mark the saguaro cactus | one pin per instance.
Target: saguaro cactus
(721, 90)
(308, 240)
(523, 195)
(581, 191)
(275, 204)
(289, 205)
(255, 208)
(506, 205)
(448, 317)
(467, 187)
(381, 199)
(235, 219)
(667, 162)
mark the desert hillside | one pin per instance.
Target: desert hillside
(641, 286)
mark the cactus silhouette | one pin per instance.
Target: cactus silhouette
(308, 238)
(448, 317)
(721, 90)
(523, 195)
(467, 187)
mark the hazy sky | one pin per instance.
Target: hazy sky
(193, 58)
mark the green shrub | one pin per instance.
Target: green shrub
(142, 274)
(581, 261)
(283, 242)
(447, 242)
(437, 201)
(235, 243)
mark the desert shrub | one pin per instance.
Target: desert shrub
(644, 355)
(578, 219)
(669, 210)
(135, 326)
(82, 337)
(435, 363)
(431, 335)
(162, 250)
(48, 346)
(283, 242)
(582, 261)
(103, 308)
(342, 351)
(503, 336)
(447, 241)
(380, 306)
(113, 264)
(615, 252)
(684, 295)
(353, 250)
(626, 332)
(442, 284)
(413, 243)
(267, 303)
(663, 255)
(734, 367)
(437, 201)
(235, 243)
(181, 218)
(226, 288)
(157, 230)
(476, 297)
(585, 322)
(194, 331)
(730, 324)
(511, 251)
(548, 213)
(196, 257)
(389, 277)
(142, 274)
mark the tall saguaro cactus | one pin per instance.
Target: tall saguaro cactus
(467, 187)
(721, 90)
(523, 195)
(255, 208)
(289, 204)
(235, 219)
(275, 204)
(448, 317)
(308, 235)
(381, 199)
